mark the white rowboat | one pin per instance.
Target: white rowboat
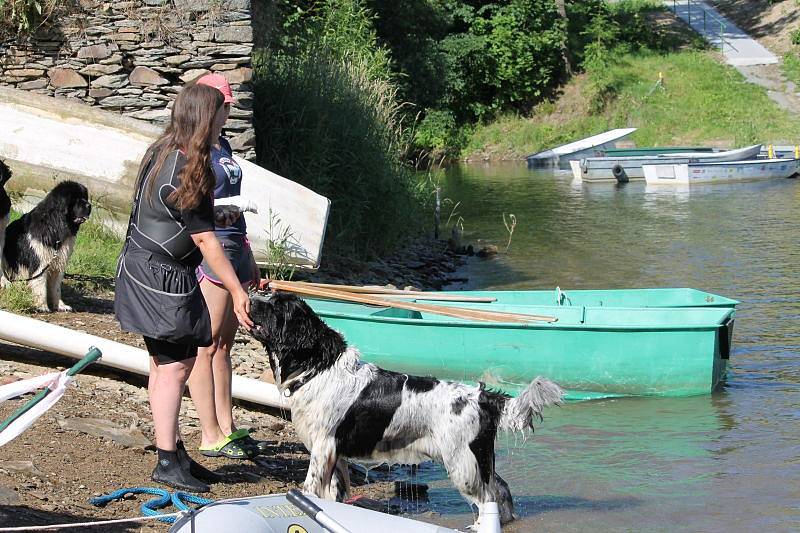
(756, 169)
(589, 146)
(624, 169)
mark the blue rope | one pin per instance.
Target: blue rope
(164, 499)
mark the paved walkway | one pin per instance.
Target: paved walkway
(738, 48)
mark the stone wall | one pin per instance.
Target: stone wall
(132, 57)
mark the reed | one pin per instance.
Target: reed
(327, 122)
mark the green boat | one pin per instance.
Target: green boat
(593, 352)
(667, 297)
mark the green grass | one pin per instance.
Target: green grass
(702, 102)
(791, 67)
(96, 251)
(17, 298)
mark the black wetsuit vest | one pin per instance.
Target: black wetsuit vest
(156, 225)
(157, 292)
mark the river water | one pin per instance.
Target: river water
(729, 461)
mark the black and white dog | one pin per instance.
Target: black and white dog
(343, 408)
(40, 243)
(5, 205)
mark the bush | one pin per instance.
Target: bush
(439, 133)
(25, 16)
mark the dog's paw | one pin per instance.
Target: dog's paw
(64, 307)
(43, 309)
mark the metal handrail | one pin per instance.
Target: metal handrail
(706, 13)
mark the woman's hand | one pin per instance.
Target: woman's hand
(241, 308)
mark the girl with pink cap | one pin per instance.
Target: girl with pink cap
(210, 381)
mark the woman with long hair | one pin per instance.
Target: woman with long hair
(170, 232)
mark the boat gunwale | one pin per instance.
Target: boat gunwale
(533, 325)
(737, 163)
(715, 304)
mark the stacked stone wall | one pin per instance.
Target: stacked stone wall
(133, 57)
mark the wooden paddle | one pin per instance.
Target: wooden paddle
(456, 312)
(433, 297)
(374, 290)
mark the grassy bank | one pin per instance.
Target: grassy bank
(791, 67)
(702, 102)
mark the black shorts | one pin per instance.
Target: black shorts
(237, 250)
(167, 352)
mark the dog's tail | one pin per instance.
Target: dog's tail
(519, 412)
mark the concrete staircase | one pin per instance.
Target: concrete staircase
(737, 47)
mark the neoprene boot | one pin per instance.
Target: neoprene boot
(169, 471)
(196, 469)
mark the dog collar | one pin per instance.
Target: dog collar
(295, 383)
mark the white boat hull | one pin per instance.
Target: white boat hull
(610, 169)
(46, 140)
(687, 174)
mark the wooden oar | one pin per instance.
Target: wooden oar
(385, 292)
(456, 312)
(367, 289)
(433, 297)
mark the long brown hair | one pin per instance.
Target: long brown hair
(189, 130)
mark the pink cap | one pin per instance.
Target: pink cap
(218, 82)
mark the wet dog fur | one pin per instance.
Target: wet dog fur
(343, 408)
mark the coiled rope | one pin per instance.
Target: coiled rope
(149, 508)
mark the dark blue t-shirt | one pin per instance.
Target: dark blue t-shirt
(229, 183)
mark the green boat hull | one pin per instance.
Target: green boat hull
(590, 351)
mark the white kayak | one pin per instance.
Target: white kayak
(46, 140)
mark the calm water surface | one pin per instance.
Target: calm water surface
(724, 462)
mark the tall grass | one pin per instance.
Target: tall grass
(327, 122)
(327, 115)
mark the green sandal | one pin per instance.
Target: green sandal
(227, 448)
(243, 436)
